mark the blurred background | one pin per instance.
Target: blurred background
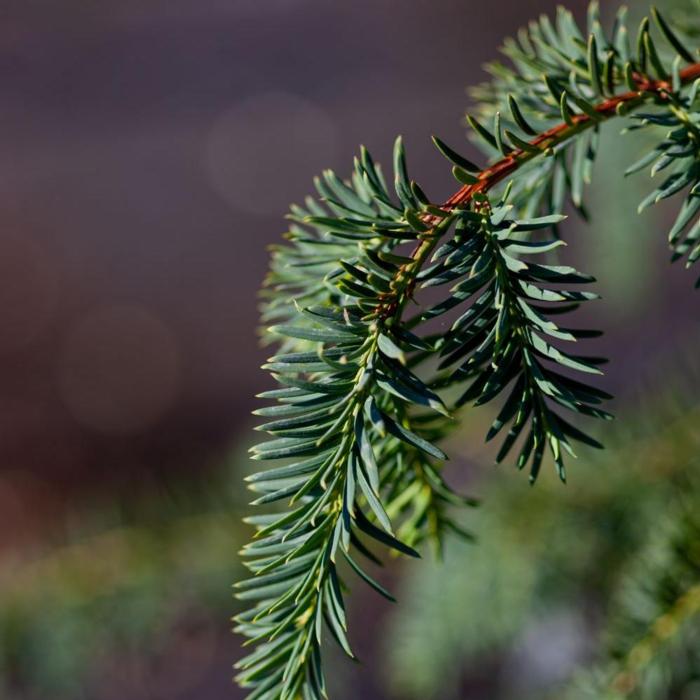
(150, 151)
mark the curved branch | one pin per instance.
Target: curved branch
(562, 132)
(392, 306)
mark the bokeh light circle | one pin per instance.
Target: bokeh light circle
(255, 150)
(120, 370)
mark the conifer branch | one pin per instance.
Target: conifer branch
(662, 632)
(542, 145)
(357, 418)
(652, 639)
(620, 105)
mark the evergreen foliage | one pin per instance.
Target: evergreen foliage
(654, 635)
(366, 384)
(617, 554)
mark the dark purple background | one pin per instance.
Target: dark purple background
(150, 150)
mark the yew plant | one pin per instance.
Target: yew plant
(368, 388)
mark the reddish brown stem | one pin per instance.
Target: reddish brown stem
(392, 304)
(507, 165)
